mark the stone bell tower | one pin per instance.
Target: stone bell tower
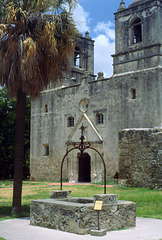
(138, 63)
(138, 31)
(138, 59)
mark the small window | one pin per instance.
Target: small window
(133, 93)
(45, 108)
(45, 150)
(70, 122)
(137, 30)
(100, 118)
(77, 57)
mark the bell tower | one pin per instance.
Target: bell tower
(138, 30)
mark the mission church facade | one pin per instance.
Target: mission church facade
(131, 98)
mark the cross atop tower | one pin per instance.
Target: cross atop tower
(122, 5)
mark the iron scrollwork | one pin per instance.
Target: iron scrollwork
(82, 147)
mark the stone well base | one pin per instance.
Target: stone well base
(77, 215)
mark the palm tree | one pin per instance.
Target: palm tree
(36, 40)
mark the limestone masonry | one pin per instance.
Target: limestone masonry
(131, 98)
(140, 157)
(77, 215)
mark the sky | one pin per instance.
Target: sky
(97, 17)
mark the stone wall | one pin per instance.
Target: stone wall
(113, 98)
(140, 157)
(144, 54)
(77, 215)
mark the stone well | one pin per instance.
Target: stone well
(77, 214)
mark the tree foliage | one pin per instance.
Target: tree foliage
(36, 39)
(7, 135)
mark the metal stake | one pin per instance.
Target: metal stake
(98, 220)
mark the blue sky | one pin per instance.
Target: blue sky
(96, 16)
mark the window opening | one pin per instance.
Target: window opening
(100, 118)
(137, 31)
(133, 93)
(70, 122)
(77, 57)
(46, 108)
(46, 150)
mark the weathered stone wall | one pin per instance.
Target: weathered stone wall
(112, 97)
(146, 53)
(77, 215)
(140, 157)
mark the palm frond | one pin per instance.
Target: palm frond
(35, 48)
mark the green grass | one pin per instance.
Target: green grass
(148, 202)
(9, 184)
(6, 184)
(1, 238)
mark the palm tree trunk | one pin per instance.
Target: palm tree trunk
(19, 151)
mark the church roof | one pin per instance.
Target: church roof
(137, 2)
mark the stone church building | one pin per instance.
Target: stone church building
(122, 115)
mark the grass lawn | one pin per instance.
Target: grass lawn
(149, 202)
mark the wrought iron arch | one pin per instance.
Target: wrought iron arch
(81, 147)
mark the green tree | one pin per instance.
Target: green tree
(36, 39)
(7, 135)
(7, 132)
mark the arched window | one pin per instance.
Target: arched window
(136, 31)
(77, 57)
(99, 118)
(70, 122)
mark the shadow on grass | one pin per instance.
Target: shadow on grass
(5, 212)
